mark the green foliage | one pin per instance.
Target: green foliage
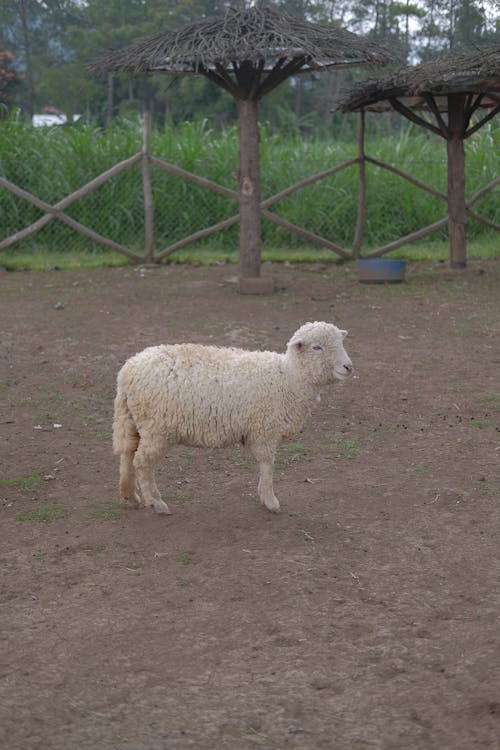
(44, 513)
(492, 399)
(345, 447)
(38, 258)
(295, 448)
(185, 558)
(9, 79)
(26, 482)
(103, 435)
(109, 510)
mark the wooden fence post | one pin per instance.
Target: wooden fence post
(360, 222)
(147, 191)
(250, 280)
(457, 211)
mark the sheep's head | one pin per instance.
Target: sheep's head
(318, 348)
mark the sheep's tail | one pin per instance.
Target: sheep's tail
(125, 444)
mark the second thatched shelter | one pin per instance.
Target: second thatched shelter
(248, 52)
(451, 90)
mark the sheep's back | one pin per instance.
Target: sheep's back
(207, 396)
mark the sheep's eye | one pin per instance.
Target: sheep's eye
(318, 348)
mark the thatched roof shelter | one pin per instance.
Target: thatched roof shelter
(270, 40)
(475, 73)
(451, 89)
(248, 52)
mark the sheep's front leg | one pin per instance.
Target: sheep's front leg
(265, 487)
(146, 458)
(265, 457)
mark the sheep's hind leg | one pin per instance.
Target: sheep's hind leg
(265, 486)
(127, 480)
(145, 460)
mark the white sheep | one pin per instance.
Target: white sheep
(189, 394)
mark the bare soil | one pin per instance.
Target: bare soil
(364, 615)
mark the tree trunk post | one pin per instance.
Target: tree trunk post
(110, 98)
(147, 191)
(457, 211)
(360, 223)
(251, 281)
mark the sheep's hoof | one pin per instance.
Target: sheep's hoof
(133, 501)
(272, 505)
(161, 507)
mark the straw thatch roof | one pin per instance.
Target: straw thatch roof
(260, 35)
(475, 73)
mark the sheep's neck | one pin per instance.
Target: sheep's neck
(303, 391)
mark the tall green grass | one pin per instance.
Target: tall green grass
(51, 163)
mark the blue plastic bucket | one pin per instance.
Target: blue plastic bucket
(380, 270)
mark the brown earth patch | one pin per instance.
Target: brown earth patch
(365, 615)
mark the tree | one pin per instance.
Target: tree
(35, 29)
(404, 14)
(115, 24)
(9, 79)
(451, 24)
(469, 24)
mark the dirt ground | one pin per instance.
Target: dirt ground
(364, 615)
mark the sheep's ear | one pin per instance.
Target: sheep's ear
(343, 334)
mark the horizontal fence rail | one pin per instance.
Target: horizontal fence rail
(148, 161)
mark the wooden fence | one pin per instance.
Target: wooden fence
(57, 211)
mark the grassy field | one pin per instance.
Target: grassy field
(46, 260)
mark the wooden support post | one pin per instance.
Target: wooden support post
(110, 98)
(148, 194)
(457, 210)
(360, 223)
(249, 191)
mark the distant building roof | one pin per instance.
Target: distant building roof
(47, 120)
